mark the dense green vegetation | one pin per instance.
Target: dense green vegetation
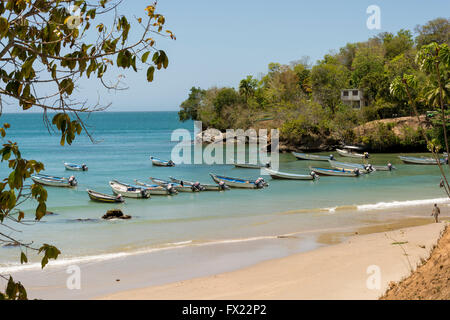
(304, 100)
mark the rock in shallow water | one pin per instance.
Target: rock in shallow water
(115, 214)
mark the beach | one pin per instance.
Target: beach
(320, 264)
(340, 271)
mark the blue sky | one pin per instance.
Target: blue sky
(220, 42)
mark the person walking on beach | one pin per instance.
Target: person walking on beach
(436, 212)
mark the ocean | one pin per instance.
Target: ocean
(124, 142)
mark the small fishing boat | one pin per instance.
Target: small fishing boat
(291, 176)
(101, 197)
(422, 160)
(351, 151)
(239, 183)
(205, 187)
(129, 191)
(314, 157)
(388, 167)
(366, 168)
(177, 186)
(162, 163)
(335, 172)
(251, 166)
(53, 181)
(75, 167)
(156, 189)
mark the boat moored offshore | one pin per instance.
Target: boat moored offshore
(239, 183)
(53, 181)
(313, 157)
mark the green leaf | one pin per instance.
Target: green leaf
(150, 73)
(145, 56)
(23, 258)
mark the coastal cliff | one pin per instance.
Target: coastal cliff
(385, 135)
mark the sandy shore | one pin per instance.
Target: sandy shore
(340, 271)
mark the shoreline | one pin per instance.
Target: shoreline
(340, 271)
(103, 278)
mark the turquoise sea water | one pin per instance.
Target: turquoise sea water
(124, 143)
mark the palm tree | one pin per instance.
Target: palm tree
(247, 87)
(431, 58)
(406, 87)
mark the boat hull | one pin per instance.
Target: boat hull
(74, 167)
(345, 166)
(177, 187)
(53, 182)
(161, 163)
(334, 173)
(313, 157)
(289, 176)
(156, 190)
(345, 153)
(101, 197)
(205, 187)
(124, 190)
(249, 166)
(384, 168)
(235, 183)
(421, 161)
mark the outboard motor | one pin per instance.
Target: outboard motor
(144, 193)
(72, 181)
(389, 165)
(356, 171)
(369, 168)
(222, 185)
(331, 157)
(119, 197)
(366, 155)
(314, 175)
(84, 167)
(446, 160)
(260, 183)
(268, 164)
(170, 163)
(170, 188)
(197, 186)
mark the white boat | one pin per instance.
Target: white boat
(204, 187)
(75, 167)
(177, 186)
(422, 160)
(251, 166)
(101, 197)
(291, 176)
(53, 181)
(351, 153)
(314, 157)
(336, 172)
(156, 189)
(388, 167)
(128, 191)
(239, 183)
(162, 163)
(363, 168)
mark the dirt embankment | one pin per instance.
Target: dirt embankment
(398, 125)
(431, 280)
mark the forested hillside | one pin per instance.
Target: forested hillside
(304, 99)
